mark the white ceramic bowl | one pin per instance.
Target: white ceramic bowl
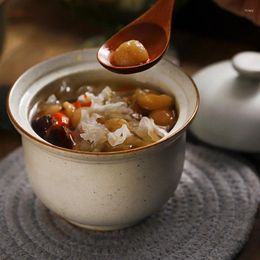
(102, 191)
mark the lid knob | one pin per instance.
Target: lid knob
(247, 64)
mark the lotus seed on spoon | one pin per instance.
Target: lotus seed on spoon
(142, 43)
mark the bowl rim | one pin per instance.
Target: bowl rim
(79, 152)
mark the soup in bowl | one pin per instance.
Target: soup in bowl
(100, 118)
(115, 168)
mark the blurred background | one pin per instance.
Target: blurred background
(35, 30)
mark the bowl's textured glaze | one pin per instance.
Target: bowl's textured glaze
(102, 191)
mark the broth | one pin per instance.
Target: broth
(105, 116)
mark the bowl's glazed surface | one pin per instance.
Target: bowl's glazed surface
(102, 191)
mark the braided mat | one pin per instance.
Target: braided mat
(209, 217)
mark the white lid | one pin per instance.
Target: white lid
(229, 113)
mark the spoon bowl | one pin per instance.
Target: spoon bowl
(152, 29)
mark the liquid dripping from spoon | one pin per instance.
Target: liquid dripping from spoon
(152, 29)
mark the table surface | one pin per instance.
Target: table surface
(34, 34)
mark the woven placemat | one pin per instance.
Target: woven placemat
(209, 217)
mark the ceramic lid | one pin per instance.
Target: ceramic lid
(229, 114)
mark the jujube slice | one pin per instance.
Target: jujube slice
(41, 124)
(60, 136)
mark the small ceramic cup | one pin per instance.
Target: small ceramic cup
(101, 191)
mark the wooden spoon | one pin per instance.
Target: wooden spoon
(152, 29)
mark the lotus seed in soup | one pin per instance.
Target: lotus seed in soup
(104, 117)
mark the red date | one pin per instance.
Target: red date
(60, 136)
(41, 125)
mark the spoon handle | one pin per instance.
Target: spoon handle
(160, 13)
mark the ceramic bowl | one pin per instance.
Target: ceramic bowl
(102, 191)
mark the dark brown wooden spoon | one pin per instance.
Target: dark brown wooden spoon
(152, 29)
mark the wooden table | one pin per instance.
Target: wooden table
(37, 31)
